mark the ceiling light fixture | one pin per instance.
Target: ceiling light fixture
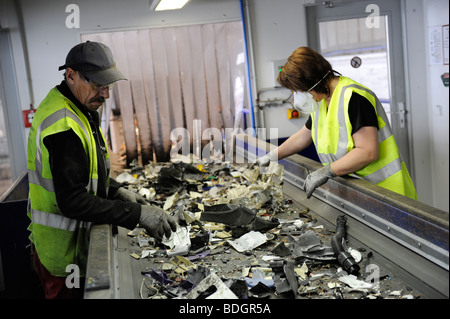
(160, 5)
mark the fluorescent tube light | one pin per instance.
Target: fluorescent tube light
(160, 5)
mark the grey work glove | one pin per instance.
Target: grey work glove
(157, 222)
(317, 178)
(265, 160)
(129, 196)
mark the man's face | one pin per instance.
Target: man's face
(90, 95)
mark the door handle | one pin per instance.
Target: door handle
(401, 114)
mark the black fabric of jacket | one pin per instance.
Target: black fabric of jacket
(69, 164)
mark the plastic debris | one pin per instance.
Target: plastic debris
(126, 178)
(308, 245)
(355, 254)
(212, 287)
(281, 250)
(179, 242)
(147, 193)
(229, 214)
(249, 241)
(147, 252)
(338, 242)
(160, 276)
(260, 291)
(231, 243)
(353, 282)
(258, 275)
(170, 201)
(302, 271)
(237, 215)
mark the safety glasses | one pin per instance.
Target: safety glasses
(96, 86)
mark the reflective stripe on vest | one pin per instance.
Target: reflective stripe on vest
(36, 177)
(59, 240)
(57, 221)
(383, 134)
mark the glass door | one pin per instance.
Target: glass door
(363, 41)
(5, 166)
(362, 57)
(13, 160)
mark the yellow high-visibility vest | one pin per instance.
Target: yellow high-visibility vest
(59, 241)
(331, 133)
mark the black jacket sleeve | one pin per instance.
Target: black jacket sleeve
(113, 187)
(70, 169)
(361, 113)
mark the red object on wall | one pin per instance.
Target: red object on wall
(292, 114)
(28, 117)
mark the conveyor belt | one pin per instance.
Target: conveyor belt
(409, 240)
(410, 234)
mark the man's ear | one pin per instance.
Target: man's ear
(70, 75)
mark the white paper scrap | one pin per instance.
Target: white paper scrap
(248, 241)
(178, 238)
(353, 282)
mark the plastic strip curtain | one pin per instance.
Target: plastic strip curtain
(177, 77)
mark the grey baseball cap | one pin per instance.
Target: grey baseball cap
(95, 61)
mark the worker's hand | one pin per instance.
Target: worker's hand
(317, 178)
(265, 160)
(128, 196)
(157, 222)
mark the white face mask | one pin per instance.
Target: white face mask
(304, 102)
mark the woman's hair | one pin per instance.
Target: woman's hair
(304, 68)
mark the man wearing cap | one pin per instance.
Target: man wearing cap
(68, 172)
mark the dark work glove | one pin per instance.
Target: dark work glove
(317, 178)
(129, 196)
(157, 222)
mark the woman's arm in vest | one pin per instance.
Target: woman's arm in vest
(364, 153)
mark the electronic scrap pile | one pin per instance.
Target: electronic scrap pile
(239, 238)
